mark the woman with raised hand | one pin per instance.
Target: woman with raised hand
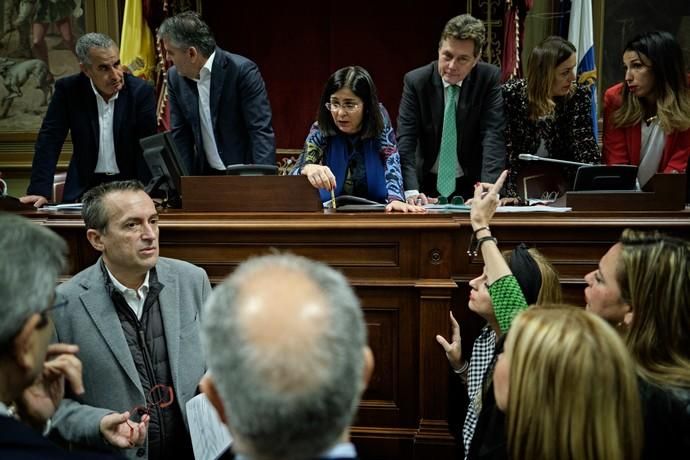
(647, 117)
(351, 148)
(548, 114)
(509, 282)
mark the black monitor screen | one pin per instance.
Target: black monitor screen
(164, 162)
(602, 177)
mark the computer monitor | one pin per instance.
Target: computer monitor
(166, 166)
(603, 177)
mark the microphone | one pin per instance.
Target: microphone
(529, 157)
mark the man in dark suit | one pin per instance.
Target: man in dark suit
(219, 109)
(288, 358)
(33, 373)
(106, 112)
(135, 317)
(476, 106)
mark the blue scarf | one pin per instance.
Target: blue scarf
(338, 158)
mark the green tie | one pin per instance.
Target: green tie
(448, 155)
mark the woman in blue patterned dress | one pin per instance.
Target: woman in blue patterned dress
(351, 148)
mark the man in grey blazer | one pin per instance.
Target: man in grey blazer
(219, 109)
(478, 111)
(135, 317)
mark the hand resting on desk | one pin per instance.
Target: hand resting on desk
(36, 200)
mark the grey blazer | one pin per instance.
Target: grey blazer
(111, 381)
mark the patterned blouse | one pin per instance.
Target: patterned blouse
(567, 133)
(315, 152)
(507, 300)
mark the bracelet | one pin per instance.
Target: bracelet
(473, 252)
(463, 369)
(484, 239)
(486, 227)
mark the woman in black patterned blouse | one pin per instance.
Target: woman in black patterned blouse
(548, 113)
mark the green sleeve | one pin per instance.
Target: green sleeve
(507, 299)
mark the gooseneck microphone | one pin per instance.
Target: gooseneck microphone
(529, 157)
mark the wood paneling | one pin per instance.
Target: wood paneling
(409, 271)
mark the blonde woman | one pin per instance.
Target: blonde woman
(642, 287)
(560, 401)
(647, 117)
(548, 114)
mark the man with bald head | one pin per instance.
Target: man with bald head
(288, 360)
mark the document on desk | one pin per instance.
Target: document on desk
(210, 436)
(536, 208)
(62, 207)
(448, 207)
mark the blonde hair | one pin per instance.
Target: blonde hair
(550, 289)
(573, 390)
(671, 88)
(541, 72)
(654, 278)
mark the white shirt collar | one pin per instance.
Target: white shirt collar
(208, 66)
(446, 84)
(122, 288)
(98, 95)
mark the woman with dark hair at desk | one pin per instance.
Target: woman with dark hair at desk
(351, 148)
(647, 117)
(548, 114)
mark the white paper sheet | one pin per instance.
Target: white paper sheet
(210, 436)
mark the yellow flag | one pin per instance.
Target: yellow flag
(137, 51)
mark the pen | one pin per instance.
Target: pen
(333, 198)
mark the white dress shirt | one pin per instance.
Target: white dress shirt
(135, 298)
(107, 163)
(207, 137)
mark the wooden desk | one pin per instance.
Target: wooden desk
(409, 271)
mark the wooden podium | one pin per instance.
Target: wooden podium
(663, 192)
(249, 194)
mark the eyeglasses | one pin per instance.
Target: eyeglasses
(160, 396)
(349, 107)
(549, 196)
(59, 302)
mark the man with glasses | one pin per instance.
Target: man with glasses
(135, 317)
(451, 121)
(219, 109)
(288, 358)
(33, 373)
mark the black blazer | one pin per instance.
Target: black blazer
(479, 118)
(240, 114)
(20, 442)
(73, 109)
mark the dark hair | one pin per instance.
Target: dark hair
(187, 30)
(670, 83)
(666, 56)
(465, 27)
(359, 81)
(93, 212)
